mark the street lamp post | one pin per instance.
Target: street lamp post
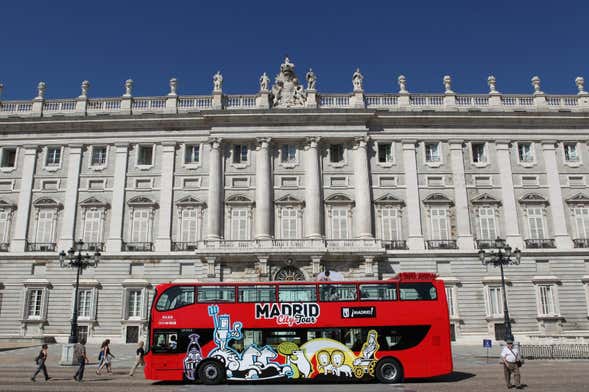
(500, 257)
(75, 259)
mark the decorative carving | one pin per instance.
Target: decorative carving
(533, 198)
(339, 198)
(6, 205)
(128, 88)
(215, 142)
(239, 200)
(437, 198)
(578, 198)
(536, 84)
(85, 87)
(311, 80)
(41, 87)
(357, 80)
(141, 201)
(189, 201)
(93, 202)
(579, 81)
(484, 198)
(173, 86)
(218, 82)
(46, 202)
(389, 199)
(448, 85)
(264, 83)
(492, 85)
(286, 91)
(402, 84)
(289, 200)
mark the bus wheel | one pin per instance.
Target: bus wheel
(211, 372)
(389, 371)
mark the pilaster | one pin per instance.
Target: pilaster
(561, 235)
(68, 225)
(163, 241)
(115, 239)
(215, 198)
(464, 237)
(313, 206)
(263, 189)
(363, 210)
(510, 215)
(415, 233)
(21, 226)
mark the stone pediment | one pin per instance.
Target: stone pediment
(437, 198)
(239, 199)
(46, 202)
(141, 201)
(533, 198)
(93, 202)
(6, 205)
(484, 198)
(389, 199)
(289, 199)
(189, 201)
(579, 198)
(339, 198)
(287, 91)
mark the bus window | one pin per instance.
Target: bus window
(293, 293)
(417, 292)
(378, 292)
(216, 294)
(337, 292)
(175, 297)
(165, 342)
(257, 293)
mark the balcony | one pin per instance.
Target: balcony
(395, 244)
(137, 246)
(581, 242)
(441, 244)
(4, 246)
(92, 247)
(301, 243)
(351, 243)
(486, 244)
(40, 247)
(541, 243)
(184, 246)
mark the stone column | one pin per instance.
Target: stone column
(313, 206)
(561, 235)
(21, 226)
(263, 190)
(163, 242)
(115, 237)
(464, 238)
(70, 208)
(510, 215)
(415, 234)
(215, 200)
(363, 210)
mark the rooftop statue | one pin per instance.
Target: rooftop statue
(287, 91)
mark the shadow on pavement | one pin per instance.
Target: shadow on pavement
(452, 377)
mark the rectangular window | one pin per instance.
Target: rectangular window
(529, 181)
(46, 219)
(8, 158)
(188, 225)
(390, 224)
(546, 300)
(98, 156)
(570, 152)
(450, 301)
(140, 227)
(339, 223)
(378, 292)
(297, 293)
(337, 292)
(34, 303)
(239, 224)
(215, 293)
(192, 153)
(439, 224)
(582, 221)
(4, 226)
(257, 293)
(85, 298)
(494, 301)
(92, 226)
(385, 152)
(576, 181)
(288, 223)
(134, 301)
(536, 223)
(145, 155)
(482, 181)
(487, 223)
(417, 292)
(239, 153)
(525, 152)
(336, 153)
(53, 156)
(288, 153)
(478, 153)
(432, 152)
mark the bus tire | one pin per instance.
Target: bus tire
(211, 372)
(389, 371)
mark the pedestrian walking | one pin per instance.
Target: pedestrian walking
(81, 359)
(139, 360)
(105, 357)
(511, 360)
(40, 361)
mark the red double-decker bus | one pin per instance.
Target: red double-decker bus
(217, 332)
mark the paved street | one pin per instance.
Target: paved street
(472, 373)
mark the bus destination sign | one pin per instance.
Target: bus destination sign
(289, 313)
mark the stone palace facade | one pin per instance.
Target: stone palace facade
(286, 183)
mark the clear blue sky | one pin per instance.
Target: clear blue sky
(106, 42)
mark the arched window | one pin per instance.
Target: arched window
(289, 273)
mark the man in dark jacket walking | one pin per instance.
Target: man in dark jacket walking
(81, 359)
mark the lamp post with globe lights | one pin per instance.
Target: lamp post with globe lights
(502, 256)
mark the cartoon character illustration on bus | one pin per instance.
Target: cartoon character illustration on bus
(193, 357)
(366, 361)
